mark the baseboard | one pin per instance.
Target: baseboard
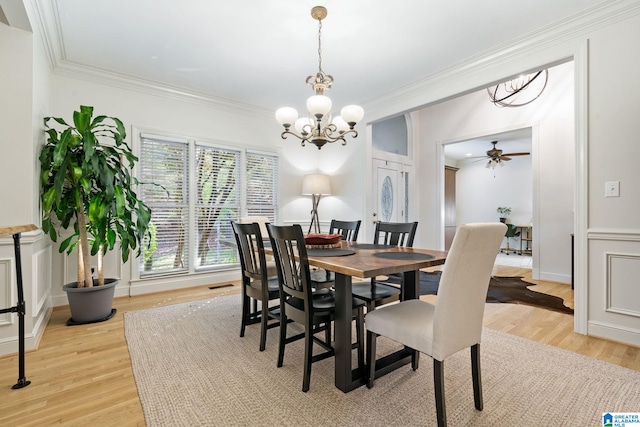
(614, 333)
(552, 277)
(180, 282)
(9, 345)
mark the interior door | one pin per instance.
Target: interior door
(390, 191)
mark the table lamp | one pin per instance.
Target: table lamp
(315, 185)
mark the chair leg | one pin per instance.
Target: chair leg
(477, 376)
(371, 357)
(360, 336)
(283, 336)
(438, 382)
(245, 314)
(327, 332)
(263, 325)
(415, 360)
(308, 354)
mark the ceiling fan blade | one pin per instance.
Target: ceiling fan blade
(478, 159)
(505, 158)
(516, 154)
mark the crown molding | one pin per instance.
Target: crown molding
(552, 44)
(48, 22)
(149, 87)
(545, 47)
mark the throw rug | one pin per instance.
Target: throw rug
(191, 368)
(501, 290)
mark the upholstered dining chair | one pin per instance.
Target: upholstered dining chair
(349, 230)
(455, 321)
(314, 311)
(257, 284)
(373, 292)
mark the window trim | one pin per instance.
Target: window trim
(138, 132)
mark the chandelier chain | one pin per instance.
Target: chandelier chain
(320, 47)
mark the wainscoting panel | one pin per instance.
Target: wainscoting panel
(42, 277)
(6, 287)
(622, 297)
(613, 285)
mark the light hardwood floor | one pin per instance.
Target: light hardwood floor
(81, 375)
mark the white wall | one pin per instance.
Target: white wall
(613, 153)
(24, 86)
(479, 191)
(17, 160)
(551, 116)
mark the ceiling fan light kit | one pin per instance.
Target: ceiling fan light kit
(497, 158)
(318, 127)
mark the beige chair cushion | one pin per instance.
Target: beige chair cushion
(409, 322)
(455, 322)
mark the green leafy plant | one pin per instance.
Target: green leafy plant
(86, 184)
(504, 211)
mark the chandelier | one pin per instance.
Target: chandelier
(319, 127)
(520, 91)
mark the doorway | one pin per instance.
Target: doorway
(482, 185)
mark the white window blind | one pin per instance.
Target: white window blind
(262, 184)
(217, 203)
(201, 188)
(165, 164)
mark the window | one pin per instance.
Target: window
(199, 188)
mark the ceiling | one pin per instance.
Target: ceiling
(515, 141)
(259, 53)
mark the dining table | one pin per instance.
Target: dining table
(364, 261)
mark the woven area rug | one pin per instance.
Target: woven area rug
(192, 369)
(502, 289)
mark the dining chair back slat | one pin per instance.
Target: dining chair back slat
(348, 229)
(395, 233)
(257, 285)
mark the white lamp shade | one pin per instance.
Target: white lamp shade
(286, 116)
(316, 183)
(341, 125)
(304, 124)
(352, 114)
(319, 105)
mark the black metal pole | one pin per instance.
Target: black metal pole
(20, 308)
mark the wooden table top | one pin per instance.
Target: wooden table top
(11, 230)
(363, 264)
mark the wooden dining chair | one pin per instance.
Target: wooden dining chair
(257, 284)
(455, 321)
(315, 311)
(321, 278)
(374, 292)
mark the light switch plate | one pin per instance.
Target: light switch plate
(612, 189)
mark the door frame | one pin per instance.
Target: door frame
(535, 176)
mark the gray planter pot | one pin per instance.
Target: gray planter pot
(90, 305)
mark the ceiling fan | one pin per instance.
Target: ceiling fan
(496, 157)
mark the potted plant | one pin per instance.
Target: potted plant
(504, 213)
(86, 186)
(511, 232)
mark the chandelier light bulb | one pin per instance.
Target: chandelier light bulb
(319, 105)
(352, 114)
(286, 116)
(304, 125)
(340, 124)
